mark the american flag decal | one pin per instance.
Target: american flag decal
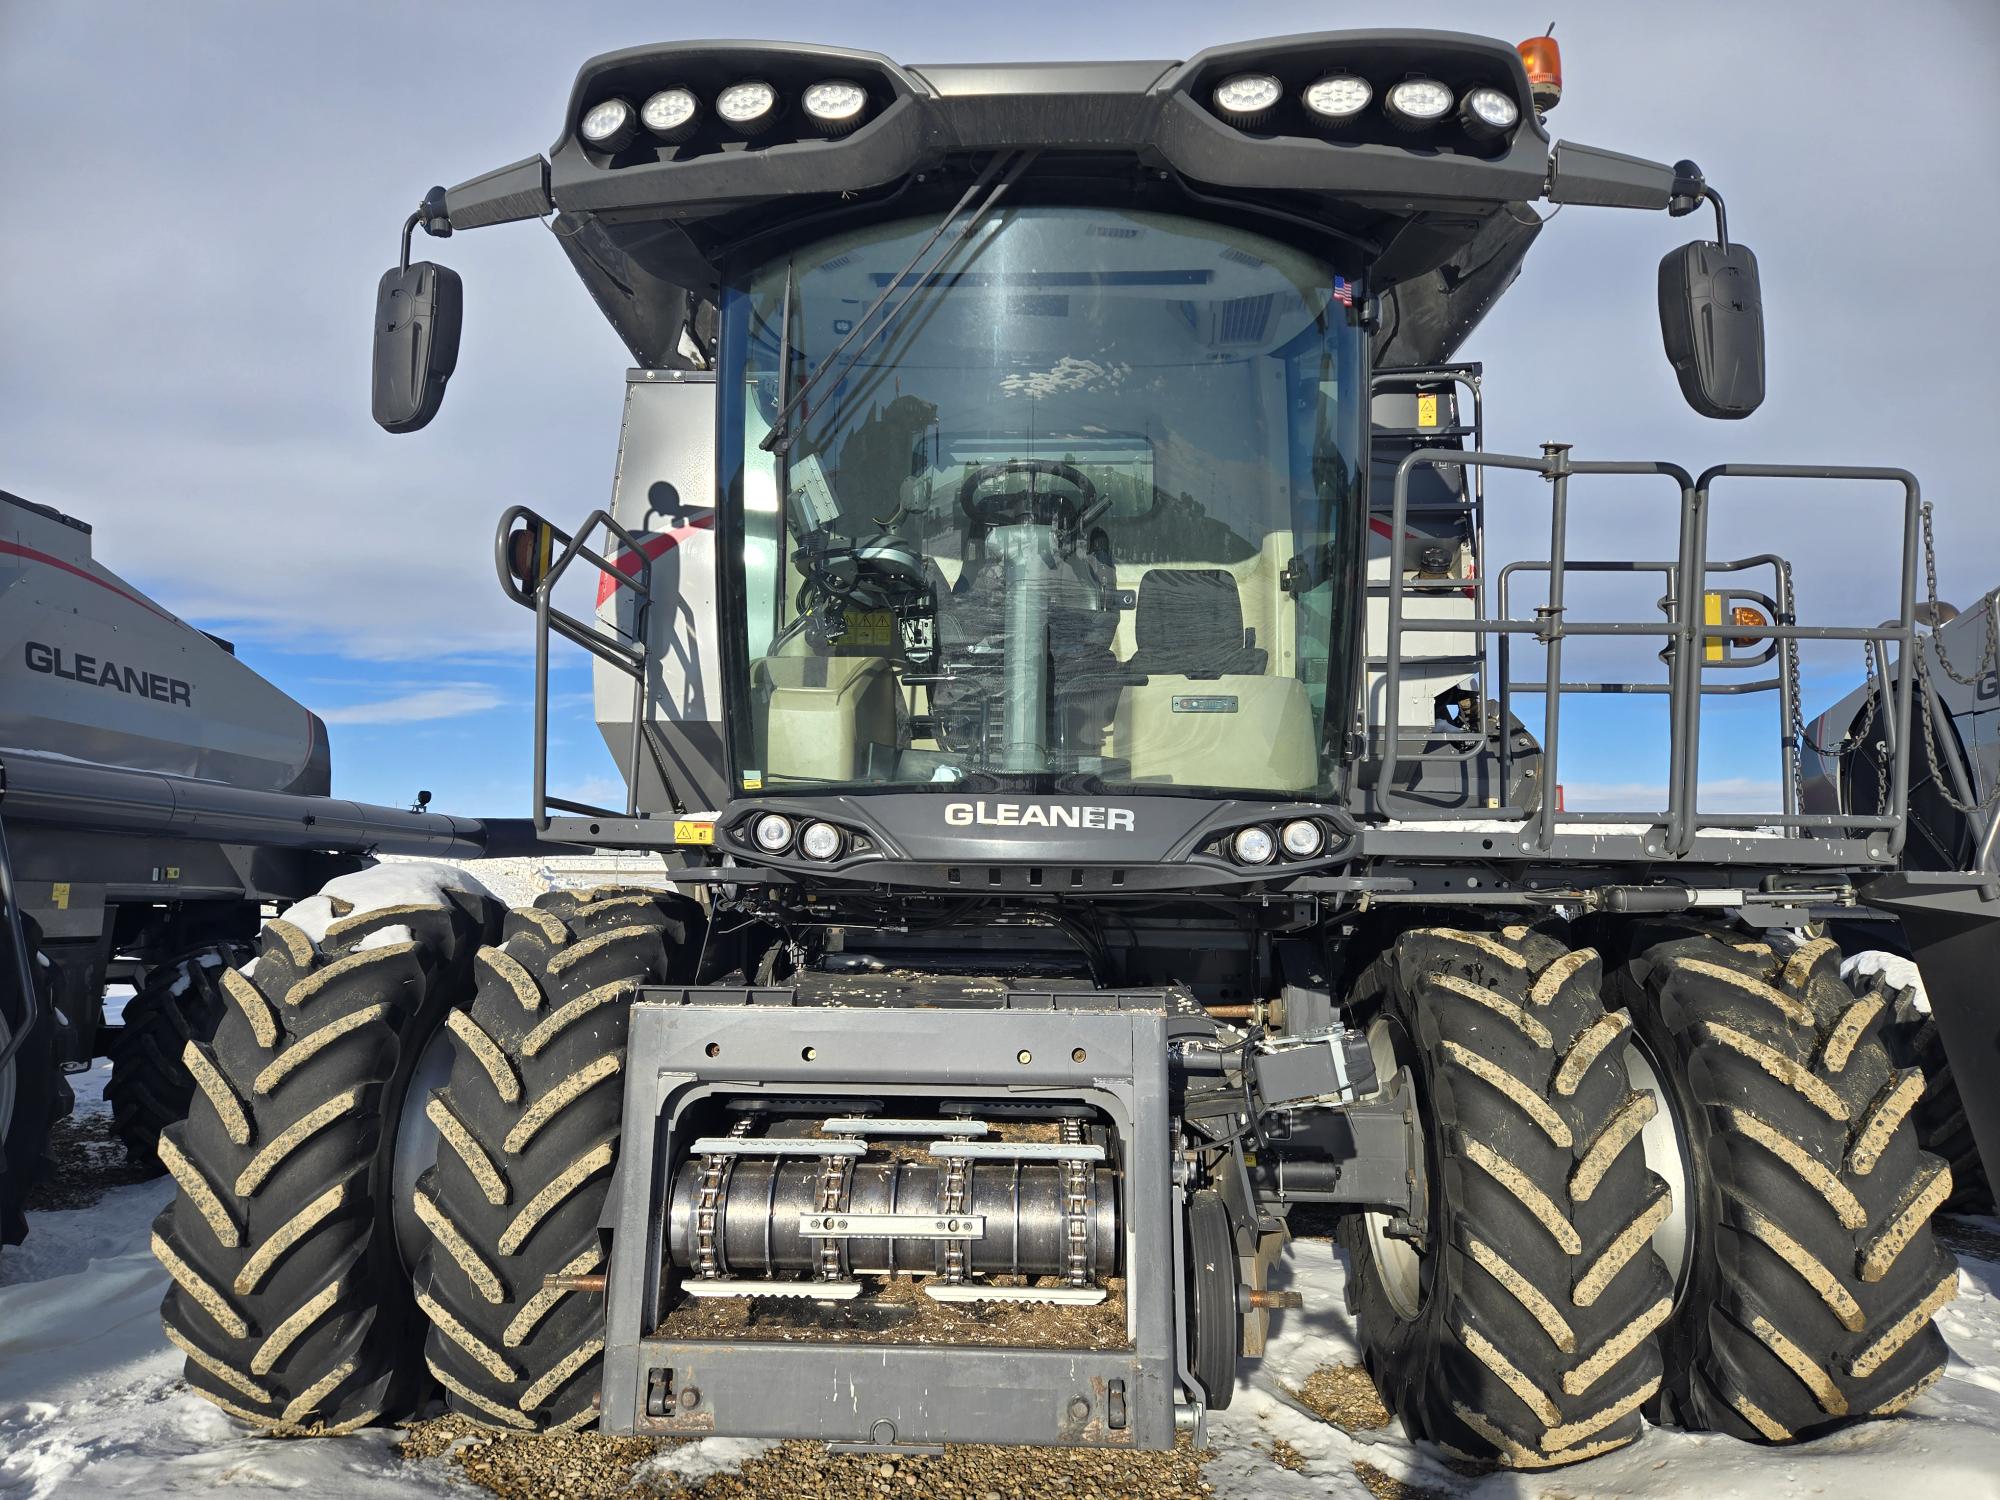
(1343, 291)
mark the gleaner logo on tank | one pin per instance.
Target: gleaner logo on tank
(1035, 815)
(91, 672)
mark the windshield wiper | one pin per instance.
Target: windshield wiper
(1007, 168)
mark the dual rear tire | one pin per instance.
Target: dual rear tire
(1690, 1188)
(325, 1272)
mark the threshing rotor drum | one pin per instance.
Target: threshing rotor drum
(1022, 1205)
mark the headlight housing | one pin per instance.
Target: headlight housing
(820, 841)
(1488, 112)
(749, 107)
(1253, 846)
(1302, 838)
(1337, 98)
(1417, 103)
(609, 126)
(772, 833)
(1248, 98)
(835, 105)
(671, 114)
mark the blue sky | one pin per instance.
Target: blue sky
(201, 197)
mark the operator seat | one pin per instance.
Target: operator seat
(1189, 623)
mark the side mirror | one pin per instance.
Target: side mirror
(1712, 322)
(418, 311)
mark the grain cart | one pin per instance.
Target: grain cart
(1041, 611)
(155, 792)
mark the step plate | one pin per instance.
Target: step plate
(869, 1125)
(774, 1145)
(816, 1291)
(1018, 1150)
(1065, 1296)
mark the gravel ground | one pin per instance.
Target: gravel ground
(588, 1467)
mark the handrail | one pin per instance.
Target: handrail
(1686, 633)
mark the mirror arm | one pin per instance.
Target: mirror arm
(1691, 190)
(433, 215)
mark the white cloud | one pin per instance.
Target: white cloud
(1719, 795)
(446, 701)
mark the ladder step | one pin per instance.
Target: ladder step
(775, 1145)
(869, 1125)
(817, 1291)
(837, 1226)
(1065, 1296)
(1018, 1150)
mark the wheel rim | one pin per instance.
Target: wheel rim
(1664, 1143)
(416, 1146)
(1400, 1264)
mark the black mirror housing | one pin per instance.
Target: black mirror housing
(1712, 322)
(419, 310)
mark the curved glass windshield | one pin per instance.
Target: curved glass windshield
(1073, 520)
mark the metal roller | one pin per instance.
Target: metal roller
(1020, 1205)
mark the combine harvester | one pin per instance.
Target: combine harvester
(1036, 607)
(156, 793)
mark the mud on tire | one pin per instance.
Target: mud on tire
(181, 1001)
(529, 1127)
(1528, 1338)
(289, 1297)
(1942, 1129)
(1811, 1273)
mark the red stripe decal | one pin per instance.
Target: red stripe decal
(15, 549)
(654, 547)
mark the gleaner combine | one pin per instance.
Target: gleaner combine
(1040, 611)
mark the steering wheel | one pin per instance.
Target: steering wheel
(1012, 507)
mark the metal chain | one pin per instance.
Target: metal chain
(1076, 1204)
(715, 1172)
(1989, 661)
(957, 1173)
(1989, 658)
(832, 1194)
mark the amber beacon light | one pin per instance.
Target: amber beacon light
(1544, 61)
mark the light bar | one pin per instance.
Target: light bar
(1417, 103)
(835, 105)
(671, 114)
(1337, 98)
(748, 107)
(609, 126)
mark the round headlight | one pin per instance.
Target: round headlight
(835, 106)
(671, 114)
(1338, 97)
(1417, 102)
(609, 126)
(1253, 846)
(749, 107)
(1488, 111)
(1302, 838)
(773, 833)
(820, 841)
(1248, 98)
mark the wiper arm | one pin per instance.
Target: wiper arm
(779, 439)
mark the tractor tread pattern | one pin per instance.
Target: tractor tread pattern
(1913, 1041)
(1825, 1271)
(286, 1294)
(532, 1114)
(1536, 1346)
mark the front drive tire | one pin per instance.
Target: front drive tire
(1525, 1332)
(1811, 1274)
(529, 1127)
(289, 1296)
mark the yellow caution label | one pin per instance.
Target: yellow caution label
(753, 781)
(59, 895)
(1427, 409)
(686, 831)
(1712, 648)
(869, 627)
(173, 872)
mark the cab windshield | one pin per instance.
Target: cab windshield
(1075, 521)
